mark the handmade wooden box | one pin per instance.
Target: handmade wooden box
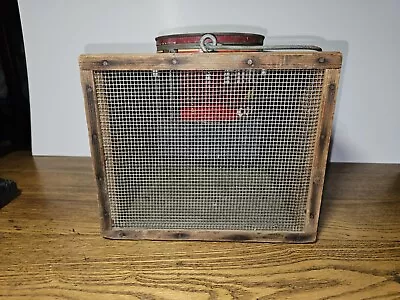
(210, 146)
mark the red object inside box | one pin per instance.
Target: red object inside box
(212, 96)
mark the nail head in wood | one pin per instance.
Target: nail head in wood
(174, 61)
(321, 60)
(250, 62)
(105, 63)
(332, 86)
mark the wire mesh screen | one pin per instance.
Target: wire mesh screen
(220, 149)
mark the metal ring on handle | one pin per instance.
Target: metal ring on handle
(205, 47)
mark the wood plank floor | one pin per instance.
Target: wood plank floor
(50, 247)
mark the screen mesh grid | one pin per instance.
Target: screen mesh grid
(218, 149)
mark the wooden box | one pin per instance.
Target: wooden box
(210, 146)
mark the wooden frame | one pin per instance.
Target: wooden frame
(328, 61)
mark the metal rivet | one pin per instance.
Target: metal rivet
(250, 62)
(311, 216)
(321, 60)
(89, 89)
(332, 86)
(174, 61)
(105, 63)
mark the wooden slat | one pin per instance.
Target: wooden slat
(328, 101)
(212, 61)
(211, 235)
(96, 146)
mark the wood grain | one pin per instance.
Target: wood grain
(328, 102)
(212, 61)
(255, 236)
(96, 146)
(51, 248)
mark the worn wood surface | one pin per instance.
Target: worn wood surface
(51, 248)
(328, 101)
(211, 235)
(212, 61)
(96, 146)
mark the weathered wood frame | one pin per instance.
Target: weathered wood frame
(329, 61)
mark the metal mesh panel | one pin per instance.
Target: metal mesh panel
(209, 149)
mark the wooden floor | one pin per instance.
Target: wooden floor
(50, 247)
